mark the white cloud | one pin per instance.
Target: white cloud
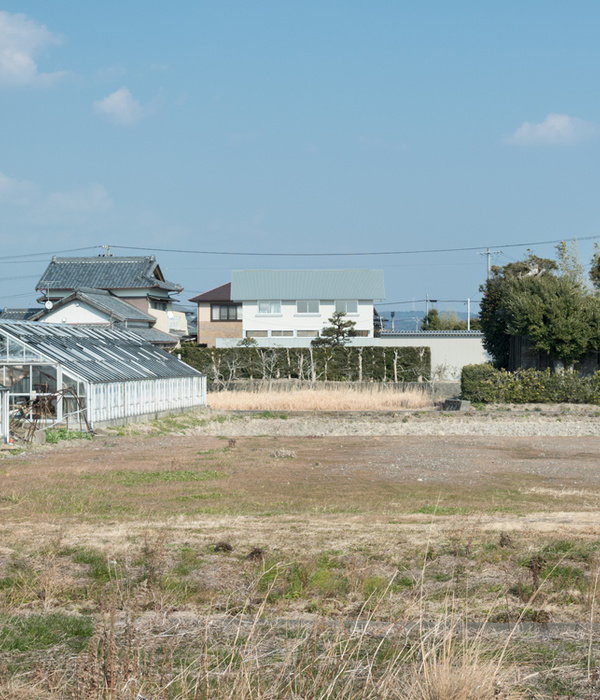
(15, 191)
(110, 73)
(556, 129)
(21, 39)
(62, 207)
(89, 200)
(120, 107)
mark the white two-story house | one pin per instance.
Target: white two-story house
(291, 307)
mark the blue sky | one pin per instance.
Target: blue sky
(297, 127)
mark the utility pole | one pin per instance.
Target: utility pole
(427, 300)
(488, 253)
(468, 314)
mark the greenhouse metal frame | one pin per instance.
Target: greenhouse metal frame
(113, 375)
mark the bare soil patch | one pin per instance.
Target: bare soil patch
(304, 517)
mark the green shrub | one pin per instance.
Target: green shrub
(485, 384)
(336, 364)
(479, 383)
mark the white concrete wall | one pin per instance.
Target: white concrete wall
(76, 312)
(449, 354)
(290, 320)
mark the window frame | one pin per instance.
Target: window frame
(274, 307)
(308, 311)
(229, 307)
(344, 302)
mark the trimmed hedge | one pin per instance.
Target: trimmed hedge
(485, 384)
(377, 364)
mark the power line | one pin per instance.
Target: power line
(45, 254)
(422, 301)
(361, 254)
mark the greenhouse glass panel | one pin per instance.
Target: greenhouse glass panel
(43, 379)
(32, 354)
(18, 406)
(3, 346)
(71, 403)
(16, 378)
(16, 351)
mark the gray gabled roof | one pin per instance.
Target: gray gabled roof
(252, 285)
(153, 335)
(103, 301)
(105, 272)
(18, 314)
(98, 355)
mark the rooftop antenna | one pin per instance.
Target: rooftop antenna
(48, 304)
(108, 254)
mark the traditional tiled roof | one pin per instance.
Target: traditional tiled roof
(153, 335)
(252, 285)
(222, 293)
(93, 353)
(18, 314)
(103, 301)
(105, 272)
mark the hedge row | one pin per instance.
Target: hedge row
(378, 364)
(485, 384)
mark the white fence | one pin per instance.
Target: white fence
(124, 400)
(4, 416)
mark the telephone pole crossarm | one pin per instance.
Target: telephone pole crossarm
(488, 253)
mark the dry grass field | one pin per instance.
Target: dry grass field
(173, 561)
(375, 398)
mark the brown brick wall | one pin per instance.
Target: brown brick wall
(209, 331)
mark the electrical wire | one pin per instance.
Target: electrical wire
(47, 253)
(362, 254)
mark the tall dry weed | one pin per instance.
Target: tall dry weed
(375, 398)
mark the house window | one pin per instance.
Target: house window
(307, 306)
(308, 334)
(348, 306)
(257, 334)
(282, 334)
(226, 312)
(158, 305)
(269, 307)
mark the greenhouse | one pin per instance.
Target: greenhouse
(90, 376)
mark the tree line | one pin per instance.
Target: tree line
(548, 301)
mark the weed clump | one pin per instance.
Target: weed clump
(53, 436)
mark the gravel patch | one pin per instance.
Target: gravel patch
(552, 422)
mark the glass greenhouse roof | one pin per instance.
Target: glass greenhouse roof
(92, 353)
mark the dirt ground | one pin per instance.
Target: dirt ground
(211, 515)
(276, 466)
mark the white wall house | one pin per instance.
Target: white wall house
(99, 307)
(138, 281)
(284, 305)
